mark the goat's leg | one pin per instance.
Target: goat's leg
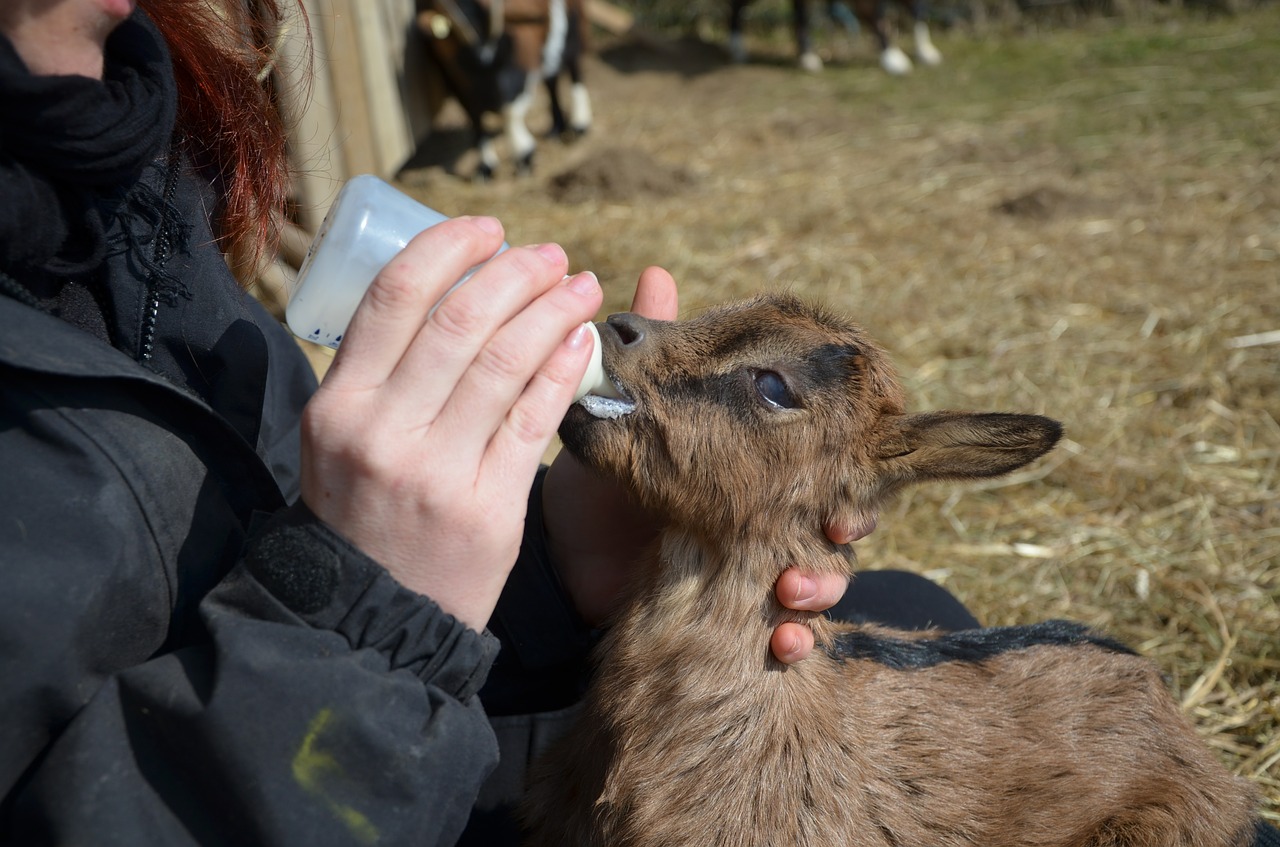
(482, 139)
(579, 120)
(559, 124)
(926, 52)
(515, 115)
(839, 12)
(737, 44)
(871, 15)
(580, 116)
(487, 166)
(809, 59)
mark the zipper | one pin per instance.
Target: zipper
(160, 257)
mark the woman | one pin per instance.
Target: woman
(227, 619)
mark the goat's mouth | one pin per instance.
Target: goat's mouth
(608, 408)
(622, 403)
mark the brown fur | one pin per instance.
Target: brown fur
(693, 734)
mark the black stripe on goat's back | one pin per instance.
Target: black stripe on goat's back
(973, 645)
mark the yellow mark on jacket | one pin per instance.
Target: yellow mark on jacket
(311, 767)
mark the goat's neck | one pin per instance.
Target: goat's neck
(709, 607)
(686, 676)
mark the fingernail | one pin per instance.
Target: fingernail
(488, 224)
(807, 590)
(584, 283)
(577, 338)
(551, 252)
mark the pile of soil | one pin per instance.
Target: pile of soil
(1040, 204)
(616, 175)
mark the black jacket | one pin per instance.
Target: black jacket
(184, 658)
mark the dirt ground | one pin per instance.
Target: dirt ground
(1081, 223)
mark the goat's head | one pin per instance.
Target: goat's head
(772, 411)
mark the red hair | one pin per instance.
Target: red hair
(227, 108)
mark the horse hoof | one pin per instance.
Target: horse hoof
(524, 165)
(483, 173)
(811, 62)
(894, 61)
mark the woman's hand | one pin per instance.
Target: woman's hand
(588, 520)
(422, 443)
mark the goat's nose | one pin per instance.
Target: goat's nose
(630, 327)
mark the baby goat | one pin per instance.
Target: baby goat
(746, 429)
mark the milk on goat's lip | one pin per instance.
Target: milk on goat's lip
(369, 223)
(595, 381)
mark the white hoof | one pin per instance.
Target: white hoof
(811, 62)
(928, 55)
(925, 51)
(580, 116)
(895, 61)
(737, 49)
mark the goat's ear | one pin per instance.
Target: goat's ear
(962, 445)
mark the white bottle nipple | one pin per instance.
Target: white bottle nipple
(595, 381)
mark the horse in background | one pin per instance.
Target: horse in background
(494, 54)
(870, 14)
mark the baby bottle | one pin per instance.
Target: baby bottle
(369, 223)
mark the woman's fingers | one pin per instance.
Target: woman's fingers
(421, 447)
(519, 386)
(656, 297)
(806, 592)
(852, 527)
(791, 642)
(810, 592)
(470, 339)
(396, 305)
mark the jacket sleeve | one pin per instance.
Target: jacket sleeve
(326, 706)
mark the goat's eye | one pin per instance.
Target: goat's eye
(773, 390)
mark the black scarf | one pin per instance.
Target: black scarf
(68, 144)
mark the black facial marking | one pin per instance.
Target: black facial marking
(833, 362)
(749, 336)
(725, 390)
(974, 645)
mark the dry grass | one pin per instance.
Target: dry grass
(1084, 223)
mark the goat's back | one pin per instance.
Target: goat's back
(1041, 735)
(1040, 745)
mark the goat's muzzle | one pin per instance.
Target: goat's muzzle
(616, 333)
